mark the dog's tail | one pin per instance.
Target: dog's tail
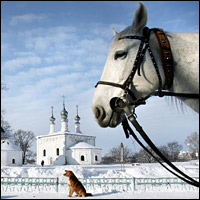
(88, 194)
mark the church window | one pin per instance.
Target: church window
(57, 151)
(96, 158)
(13, 161)
(44, 152)
(82, 158)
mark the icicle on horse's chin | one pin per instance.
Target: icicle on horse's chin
(120, 61)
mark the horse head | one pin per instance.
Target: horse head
(121, 58)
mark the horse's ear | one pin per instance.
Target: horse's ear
(114, 31)
(140, 18)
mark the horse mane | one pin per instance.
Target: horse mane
(179, 105)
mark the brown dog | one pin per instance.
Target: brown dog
(75, 185)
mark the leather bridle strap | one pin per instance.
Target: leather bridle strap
(123, 87)
(166, 56)
(144, 45)
(136, 66)
(165, 93)
(167, 61)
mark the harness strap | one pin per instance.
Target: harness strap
(123, 87)
(111, 84)
(166, 55)
(165, 93)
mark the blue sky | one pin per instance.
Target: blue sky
(55, 48)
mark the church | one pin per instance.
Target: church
(65, 147)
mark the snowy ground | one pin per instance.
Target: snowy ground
(104, 171)
(111, 195)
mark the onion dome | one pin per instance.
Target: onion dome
(77, 118)
(64, 113)
(52, 118)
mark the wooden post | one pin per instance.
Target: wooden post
(122, 156)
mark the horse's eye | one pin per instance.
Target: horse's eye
(120, 54)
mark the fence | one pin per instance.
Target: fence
(16, 184)
(163, 184)
(27, 184)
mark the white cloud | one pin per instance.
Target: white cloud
(27, 18)
(51, 39)
(175, 22)
(21, 62)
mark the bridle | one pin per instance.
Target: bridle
(167, 60)
(119, 104)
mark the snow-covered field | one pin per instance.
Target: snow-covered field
(105, 171)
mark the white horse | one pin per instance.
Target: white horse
(122, 53)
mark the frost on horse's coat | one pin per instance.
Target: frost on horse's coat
(119, 63)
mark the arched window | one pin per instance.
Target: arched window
(82, 158)
(96, 158)
(57, 151)
(44, 152)
(13, 161)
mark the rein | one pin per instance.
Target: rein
(122, 103)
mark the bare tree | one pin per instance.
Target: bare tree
(114, 155)
(31, 157)
(24, 139)
(144, 157)
(171, 151)
(4, 123)
(193, 143)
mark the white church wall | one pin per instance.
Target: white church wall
(74, 157)
(3, 158)
(83, 156)
(96, 156)
(74, 138)
(54, 147)
(11, 158)
(70, 157)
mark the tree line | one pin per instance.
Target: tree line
(171, 150)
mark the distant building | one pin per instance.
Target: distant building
(66, 147)
(11, 155)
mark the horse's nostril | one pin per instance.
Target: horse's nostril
(100, 113)
(97, 113)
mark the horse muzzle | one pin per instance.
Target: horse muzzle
(104, 119)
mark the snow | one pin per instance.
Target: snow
(82, 145)
(150, 170)
(8, 145)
